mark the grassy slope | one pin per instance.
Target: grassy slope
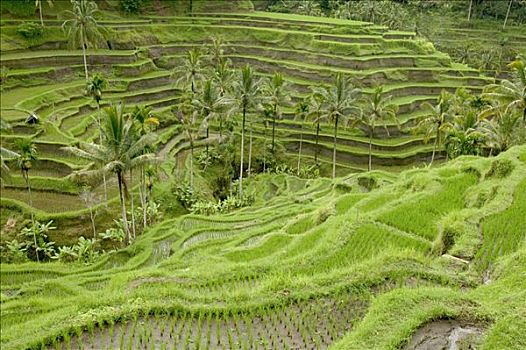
(301, 240)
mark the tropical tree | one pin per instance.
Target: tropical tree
(301, 113)
(81, 27)
(500, 132)
(223, 77)
(144, 122)
(38, 5)
(190, 71)
(315, 111)
(338, 105)
(378, 111)
(276, 92)
(437, 121)
(246, 88)
(94, 89)
(27, 155)
(188, 121)
(120, 151)
(209, 105)
(216, 52)
(5, 153)
(509, 95)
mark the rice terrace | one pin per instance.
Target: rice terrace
(263, 174)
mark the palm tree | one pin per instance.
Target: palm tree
(338, 104)
(509, 95)
(316, 108)
(301, 112)
(188, 121)
(246, 89)
(437, 121)
(223, 78)
(81, 27)
(119, 152)
(209, 105)
(216, 51)
(94, 89)
(144, 122)
(377, 112)
(507, 14)
(38, 5)
(276, 92)
(190, 70)
(27, 154)
(499, 132)
(5, 153)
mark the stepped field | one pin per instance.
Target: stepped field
(45, 76)
(405, 256)
(362, 262)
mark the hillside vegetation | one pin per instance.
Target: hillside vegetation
(199, 174)
(370, 258)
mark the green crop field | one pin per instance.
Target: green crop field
(256, 174)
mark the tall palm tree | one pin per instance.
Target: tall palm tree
(301, 112)
(190, 71)
(38, 5)
(246, 89)
(223, 77)
(144, 122)
(499, 132)
(315, 111)
(378, 110)
(5, 153)
(209, 105)
(276, 91)
(188, 121)
(94, 89)
(216, 51)
(339, 100)
(437, 121)
(120, 151)
(27, 154)
(509, 95)
(81, 27)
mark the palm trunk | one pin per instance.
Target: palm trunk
(40, 11)
(265, 148)
(507, 15)
(191, 162)
(100, 142)
(334, 148)
(123, 208)
(92, 222)
(144, 205)
(220, 126)
(207, 135)
(273, 128)
(434, 150)
(469, 10)
(132, 206)
(370, 150)
(241, 155)
(299, 152)
(26, 177)
(84, 54)
(249, 171)
(316, 151)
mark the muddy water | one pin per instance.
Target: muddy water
(445, 335)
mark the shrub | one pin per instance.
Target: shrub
(185, 195)
(30, 30)
(131, 6)
(500, 168)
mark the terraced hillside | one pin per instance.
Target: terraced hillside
(308, 51)
(363, 262)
